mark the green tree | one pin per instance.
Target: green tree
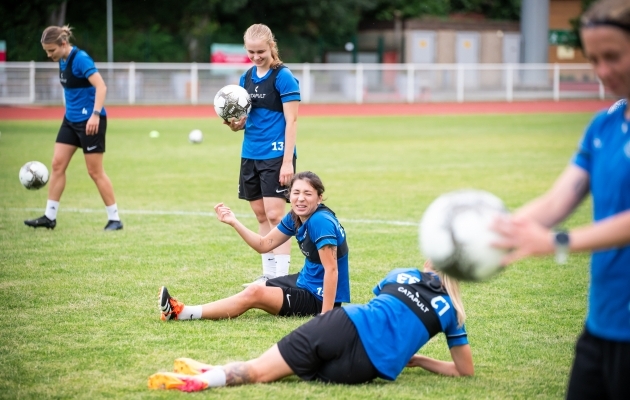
(386, 10)
(22, 25)
(160, 31)
(493, 9)
(575, 25)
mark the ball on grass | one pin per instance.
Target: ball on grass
(195, 136)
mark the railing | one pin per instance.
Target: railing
(182, 83)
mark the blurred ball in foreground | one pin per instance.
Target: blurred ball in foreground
(455, 234)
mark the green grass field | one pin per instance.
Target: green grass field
(79, 315)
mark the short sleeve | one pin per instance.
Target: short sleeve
(83, 66)
(322, 229)
(398, 275)
(287, 226)
(287, 85)
(583, 156)
(241, 81)
(456, 336)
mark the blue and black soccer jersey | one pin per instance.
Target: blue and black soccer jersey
(320, 229)
(604, 153)
(390, 330)
(264, 130)
(80, 98)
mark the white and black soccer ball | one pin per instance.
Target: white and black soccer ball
(195, 136)
(455, 234)
(34, 175)
(232, 102)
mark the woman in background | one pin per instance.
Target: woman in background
(84, 126)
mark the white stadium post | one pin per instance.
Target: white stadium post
(194, 83)
(410, 83)
(31, 82)
(359, 84)
(556, 82)
(460, 83)
(509, 83)
(131, 89)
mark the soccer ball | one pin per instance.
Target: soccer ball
(195, 136)
(232, 102)
(455, 234)
(34, 175)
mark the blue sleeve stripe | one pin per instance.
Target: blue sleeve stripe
(285, 229)
(290, 93)
(326, 237)
(457, 336)
(290, 99)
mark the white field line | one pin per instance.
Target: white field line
(212, 214)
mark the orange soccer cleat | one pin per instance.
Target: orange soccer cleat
(188, 366)
(172, 380)
(169, 306)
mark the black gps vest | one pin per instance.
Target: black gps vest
(264, 94)
(418, 296)
(309, 249)
(68, 79)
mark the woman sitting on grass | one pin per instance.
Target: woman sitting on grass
(355, 343)
(323, 282)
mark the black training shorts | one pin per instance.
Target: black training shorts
(328, 348)
(261, 178)
(73, 133)
(601, 369)
(296, 302)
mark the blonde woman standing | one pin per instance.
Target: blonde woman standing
(268, 155)
(84, 126)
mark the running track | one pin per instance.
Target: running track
(203, 111)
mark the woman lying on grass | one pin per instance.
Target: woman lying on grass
(355, 343)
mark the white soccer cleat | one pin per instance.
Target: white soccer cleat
(261, 281)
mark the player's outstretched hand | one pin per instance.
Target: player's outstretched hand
(224, 214)
(522, 237)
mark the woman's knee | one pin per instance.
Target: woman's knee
(252, 294)
(259, 210)
(96, 173)
(261, 217)
(59, 164)
(274, 215)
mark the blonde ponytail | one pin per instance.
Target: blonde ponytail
(452, 288)
(57, 35)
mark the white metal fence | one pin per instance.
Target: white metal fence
(183, 83)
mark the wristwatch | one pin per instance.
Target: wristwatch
(561, 243)
(97, 113)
